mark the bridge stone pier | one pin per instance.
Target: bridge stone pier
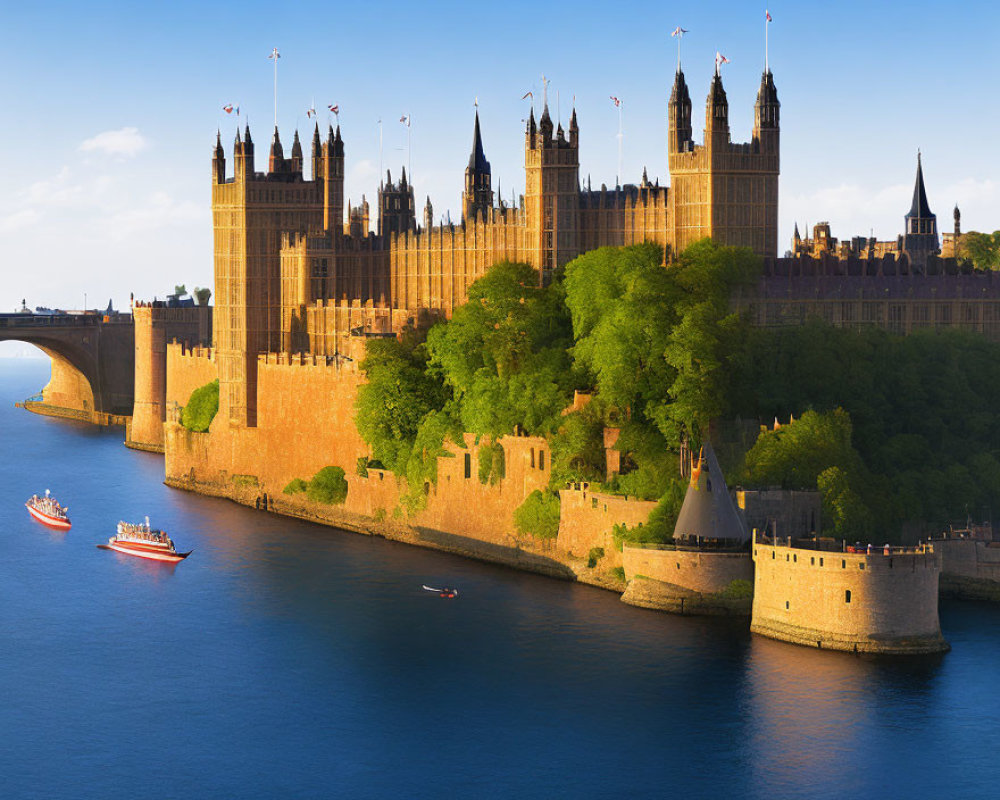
(92, 362)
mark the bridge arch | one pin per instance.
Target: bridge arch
(92, 360)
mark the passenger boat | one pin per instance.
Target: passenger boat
(47, 511)
(138, 539)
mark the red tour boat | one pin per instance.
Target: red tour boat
(138, 539)
(47, 511)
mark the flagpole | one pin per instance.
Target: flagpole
(621, 139)
(409, 154)
(275, 87)
(767, 25)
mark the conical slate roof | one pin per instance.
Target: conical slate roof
(920, 207)
(708, 512)
(477, 160)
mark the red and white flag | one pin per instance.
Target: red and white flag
(720, 59)
(616, 101)
(768, 15)
(229, 108)
(526, 95)
(334, 108)
(678, 31)
(311, 112)
(275, 54)
(405, 119)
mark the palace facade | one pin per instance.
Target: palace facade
(289, 251)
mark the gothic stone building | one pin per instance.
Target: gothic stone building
(293, 272)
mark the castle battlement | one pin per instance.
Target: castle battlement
(885, 601)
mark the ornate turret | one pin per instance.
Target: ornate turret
(477, 198)
(545, 125)
(767, 112)
(397, 211)
(717, 113)
(218, 160)
(296, 153)
(338, 144)
(574, 130)
(276, 159)
(315, 152)
(921, 238)
(679, 116)
(428, 214)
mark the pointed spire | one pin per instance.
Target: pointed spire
(477, 160)
(338, 143)
(329, 135)
(532, 126)
(218, 139)
(402, 181)
(246, 134)
(920, 208)
(796, 237)
(572, 121)
(238, 140)
(767, 107)
(296, 145)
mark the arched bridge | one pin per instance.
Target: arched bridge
(93, 360)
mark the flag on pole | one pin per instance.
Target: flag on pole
(720, 59)
(678, 31)
(334, 108)
(228, 108)
(311, 112)
(616, 101)
(275, 54)
(767, 14)
(526, 95)
(405, 119)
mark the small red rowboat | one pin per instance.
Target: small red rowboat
(47, 511)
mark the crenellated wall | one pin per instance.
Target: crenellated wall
(588, 520)
(878, 603)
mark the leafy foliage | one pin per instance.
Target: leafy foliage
(491, 464)
(399, 394)
(982, 249)
(328, 486)
(538, 515)
(201, 408)
(295, 486)
(504, 353)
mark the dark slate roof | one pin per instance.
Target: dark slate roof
(708, 511)
(477, 161)
(919, 208)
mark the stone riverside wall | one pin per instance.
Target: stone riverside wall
(801, 596)
(67, 388)
(969, 568)
(306, 422)
(687, 582)
(588, 519)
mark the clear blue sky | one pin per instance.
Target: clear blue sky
(110, 111)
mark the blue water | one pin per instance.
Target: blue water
(284, 659)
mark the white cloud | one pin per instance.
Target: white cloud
(24, 218)
(126, 142)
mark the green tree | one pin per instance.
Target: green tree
(538, 515)
(504, 353)
(399, 393)
(328, 486)
(982, 249)
(201, 408)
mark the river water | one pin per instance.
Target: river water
(285, 659)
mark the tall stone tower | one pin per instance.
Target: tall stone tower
(552, 193)
(396, 208)
(921, 238)
(478, 195)
(719, 189)
(250, 211)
